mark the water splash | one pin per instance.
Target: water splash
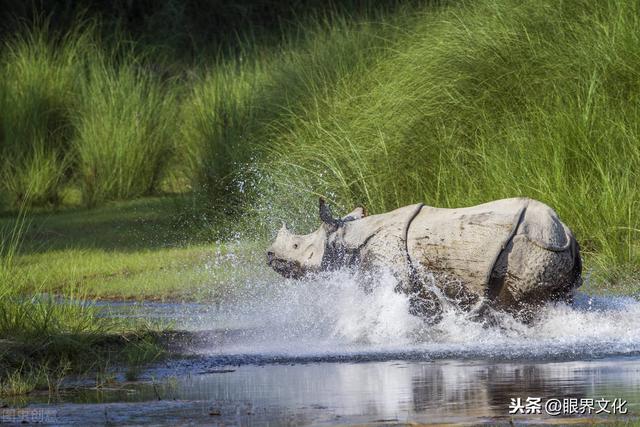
(331, 316)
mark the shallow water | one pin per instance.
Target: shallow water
(393, 391)
(323, 351)
(331, 316)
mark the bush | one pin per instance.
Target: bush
(123, 131)
(36, 100)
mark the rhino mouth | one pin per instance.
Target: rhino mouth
(288, 269)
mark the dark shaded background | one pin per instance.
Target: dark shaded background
(187, 26)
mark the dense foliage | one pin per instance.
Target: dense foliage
(446, 103)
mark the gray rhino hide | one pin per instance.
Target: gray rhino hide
(462, 250)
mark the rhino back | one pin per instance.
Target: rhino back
(462, 245)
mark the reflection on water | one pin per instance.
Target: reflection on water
(394, 391)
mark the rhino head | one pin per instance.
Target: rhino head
(294, 255)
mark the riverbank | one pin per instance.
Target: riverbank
(55, 266)
(144, 249)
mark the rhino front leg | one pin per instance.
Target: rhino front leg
(423, 301)
(426, 305)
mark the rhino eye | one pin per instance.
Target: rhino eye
(295, 246)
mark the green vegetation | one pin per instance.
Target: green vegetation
(142, 249)
(123, 135)
(76, 113)
(449, 103)
(34, 123)
(44, 337)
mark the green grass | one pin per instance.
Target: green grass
(480, 101)
(450, 104)
(123, 131)
(44, 336)
(36, 99)
(217, 118)
(81, 111)
(143, 250)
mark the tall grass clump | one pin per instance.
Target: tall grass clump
(218, 117)
(123, 130)
(484, 100)
(39, 74)
(79, 108)
(237, 106)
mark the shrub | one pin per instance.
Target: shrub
(36, 100)
(123, 131)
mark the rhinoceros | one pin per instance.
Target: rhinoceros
(512, 254)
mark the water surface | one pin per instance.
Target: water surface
(393, 391)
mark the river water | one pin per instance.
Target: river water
(323, 351)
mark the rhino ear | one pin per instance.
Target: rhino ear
(325, 214)
(357, 213)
